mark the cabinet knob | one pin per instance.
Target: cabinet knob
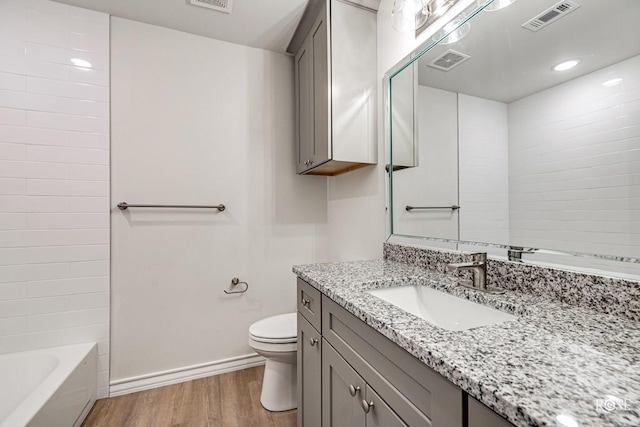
(353, 390)
(313, 341)
(306, 302)
(367, 406)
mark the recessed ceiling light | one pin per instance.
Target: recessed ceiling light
(80, 63)
(566, 65)
(498, 4)
(611, 82)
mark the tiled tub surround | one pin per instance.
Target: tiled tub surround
(604, 294)
(556, 360)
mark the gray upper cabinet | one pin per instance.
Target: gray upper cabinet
(335, 87)
(303, 78)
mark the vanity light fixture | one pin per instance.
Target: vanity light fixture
(81, 63)
(566, 65)
(498, 4)
(455, 35)
(612, 82)
(408, 15)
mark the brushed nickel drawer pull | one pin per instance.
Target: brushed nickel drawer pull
(367, 406)
(313, 341)
(306, 303)
(353, 390)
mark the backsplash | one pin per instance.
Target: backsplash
(606, 295)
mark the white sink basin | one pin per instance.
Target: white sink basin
(441, 309)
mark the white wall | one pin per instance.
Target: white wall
(356, 200)
(54, 178)
(484, 170)
(200, 121)
(434, 182)
(575, 164)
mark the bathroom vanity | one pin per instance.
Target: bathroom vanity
(365, 362)
(351, 375)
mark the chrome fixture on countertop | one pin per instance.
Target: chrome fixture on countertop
(478, 266)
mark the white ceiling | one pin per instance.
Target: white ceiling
(509, 62)
(258, 23)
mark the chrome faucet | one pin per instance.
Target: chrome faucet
(478, 266)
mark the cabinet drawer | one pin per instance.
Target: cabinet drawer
(481, 416)
(416, 388)
(309, 303)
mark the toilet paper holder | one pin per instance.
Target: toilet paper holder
(235, 282)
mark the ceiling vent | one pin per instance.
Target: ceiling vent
(551, 15)
(448, 60)
(219, 5)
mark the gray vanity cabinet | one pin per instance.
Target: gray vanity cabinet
(350, 375)
(309, 357)
(347, 400)
(309, 369)
(481, 416)
(406, 389)
(342, 391)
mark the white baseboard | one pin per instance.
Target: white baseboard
(187, 373)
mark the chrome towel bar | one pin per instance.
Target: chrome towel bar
(124, 205)
(411, 208)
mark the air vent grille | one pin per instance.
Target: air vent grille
(448, 60)
(219, 5)
(551, 15)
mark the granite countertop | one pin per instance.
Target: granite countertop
(552, 366)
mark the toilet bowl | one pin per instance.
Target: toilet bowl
(275, 338)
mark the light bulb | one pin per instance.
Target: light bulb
(408, 15)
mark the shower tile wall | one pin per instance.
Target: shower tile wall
(54, 178)
(574, 162)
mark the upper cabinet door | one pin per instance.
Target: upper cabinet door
(335, 97)
(321, 147)
(304, 105)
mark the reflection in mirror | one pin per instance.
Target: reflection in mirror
(535, 156)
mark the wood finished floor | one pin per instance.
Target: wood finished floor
(227, 400)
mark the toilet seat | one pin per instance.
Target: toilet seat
(274, 340)
(280, 329)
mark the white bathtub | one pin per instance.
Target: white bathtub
(53, 387)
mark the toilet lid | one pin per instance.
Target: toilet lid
(281, 327)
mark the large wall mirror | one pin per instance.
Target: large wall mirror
(518, 127)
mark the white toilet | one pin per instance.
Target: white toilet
(275, 338)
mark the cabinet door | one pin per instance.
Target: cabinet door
(342, 391)
(379, 413)
(481, 416)
(318, 38)
(304, 105)
(309, 375)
